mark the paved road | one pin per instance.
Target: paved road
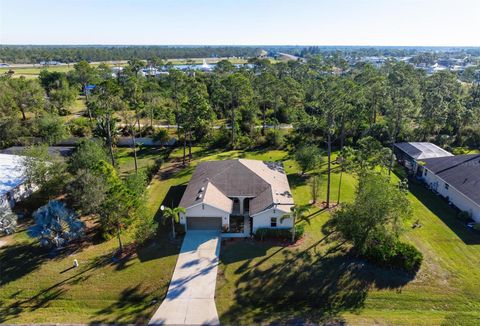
(191, 295)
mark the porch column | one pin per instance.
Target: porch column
(241, 204)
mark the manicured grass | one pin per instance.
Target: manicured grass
(36, 287)
(311, 282)
(33, 72)
(146, 157)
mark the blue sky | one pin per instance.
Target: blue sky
(247, 22)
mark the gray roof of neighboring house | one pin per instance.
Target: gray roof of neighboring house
(461, 172)
(421, 150)
(215, 182)
(52, 150)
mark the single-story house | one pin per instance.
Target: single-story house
(237, 197)
(12, 181)
(457, 178)
(408, 154)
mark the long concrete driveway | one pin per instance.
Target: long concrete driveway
(190, 298)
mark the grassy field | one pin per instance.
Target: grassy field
(33, 72)
(313, 281)
(36, 287)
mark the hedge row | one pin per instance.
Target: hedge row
(279, 234)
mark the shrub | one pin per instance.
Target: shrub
(408, 257)
(308, 157)
(221, 138)
(274, 138)
(145, 229)
(268, 233)
(476, 226)
(55, 225)
(244, 142)
(161, 135)
(279, 234)
(299, 231)
(464, 216)
(153, 169)
(81, 127)
(390, 252)
(51, 129)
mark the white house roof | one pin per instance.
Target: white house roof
(12, 172)
(422, 150)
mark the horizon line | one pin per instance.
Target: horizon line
(242, 45)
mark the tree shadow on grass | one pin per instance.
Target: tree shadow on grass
(43, 298)
(447, 214)
(307, 288)
(162, 247)
(296, 179)
(18, 260)
(173, 196)
(132, 306)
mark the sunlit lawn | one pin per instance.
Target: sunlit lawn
(257, 282)
(38, 288)
(267, 283)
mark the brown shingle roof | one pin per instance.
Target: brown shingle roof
(265, 182)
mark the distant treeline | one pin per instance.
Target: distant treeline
(389, 51)
(66, 54)
(75, 53)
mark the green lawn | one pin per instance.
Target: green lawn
(316, 282)
(258, 283)
(38, 288)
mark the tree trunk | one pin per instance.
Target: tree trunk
(293, 229)
(109, 139)
(86, 102)
(329, 149)
(134, 151)
(120, 243)
(189, 145)
(233, 127)
(342, 133)
(151, 118)
(394, 139)
(24, 117)
(184, 144)
(137, 116)
(264, 118)
(173, 227)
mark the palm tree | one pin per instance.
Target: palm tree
(298, 213)
(172, 213)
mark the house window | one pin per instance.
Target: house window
(447, 186)
(273, 222)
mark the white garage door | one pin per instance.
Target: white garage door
(204, 223)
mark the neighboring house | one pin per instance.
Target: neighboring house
(457, 178)
(408, 154)
(12, 179)
(237, 197)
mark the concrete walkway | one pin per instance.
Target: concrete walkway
(191, 295)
